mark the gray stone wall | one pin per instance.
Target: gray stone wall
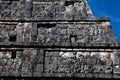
(57, 34)
(59, 62)
(56, 38)
(44, 10)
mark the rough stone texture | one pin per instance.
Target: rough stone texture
(56, 38)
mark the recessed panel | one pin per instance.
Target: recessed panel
(78, 62)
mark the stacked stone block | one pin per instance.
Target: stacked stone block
(56, 38)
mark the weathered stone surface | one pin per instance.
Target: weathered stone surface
(56, 38)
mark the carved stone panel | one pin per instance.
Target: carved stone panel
(78, 62)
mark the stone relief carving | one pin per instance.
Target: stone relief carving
(78, 7)
(43, 30)
(85, 62)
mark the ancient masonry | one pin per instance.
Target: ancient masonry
(56, 38)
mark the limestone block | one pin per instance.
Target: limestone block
(102, 31)
(9, 9)
(93, 61)
(86, 31)
(49, 16)
(25, 57)
(38, 8)
(54, 30)
(48, 74)
(66, 54)
(64, 68)
(62, 32)
(77, 68)
(10, 62)
(14, 73)
(60, 8)
(8, 55)
(88, 68)
(61, 68)
(101, 75)
(96, 39)
(108, 76)
(65, 39)
(4, 74)
(25, 67)
(10, 27)
(77, 16)
(33, 53)
(69, 75)
(109, 62)
(34, 29)
(19, 29)
(95, 54)
(14, 14)
(116, 76)
(39, 59)
(50, 8)
(59, 74)
(17, 61)
(69, 31)
(68, 16)
(51, 54)
(26, 38)
(82, 75)
(48, 68)
(40, 16)
(62, 43)
(37, 74)
(107, 39)
(99, 69)
(55, 68)
(28, 8)
(50, 40)
(18, 54)
(13, 66)
(77, 31)
(26, 74)
(79, 54)
(108, 69)
(1, 68)
(47, 60)
(102, 39)
(3, 62)
(59, 16)
(41, 38)
(88, 60)
(5, 68)
(53, 60)
(39, 68)
(17, 68)
(82, 61)
(116, 69)
(2, 38)
(89, 75)
(1, 54)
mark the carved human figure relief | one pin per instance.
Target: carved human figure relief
(82, 5)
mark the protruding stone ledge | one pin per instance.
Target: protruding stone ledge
(38, 45)
(83, 19)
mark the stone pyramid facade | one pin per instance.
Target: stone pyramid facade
(56, 38)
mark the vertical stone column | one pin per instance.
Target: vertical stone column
(28, 9)
(19, 29)
(21, 9)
